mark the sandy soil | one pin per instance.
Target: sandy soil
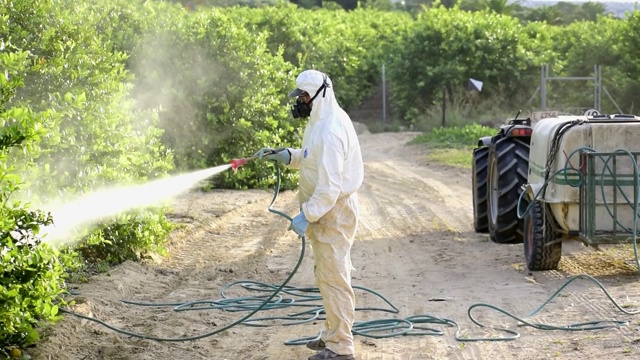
(415, 246)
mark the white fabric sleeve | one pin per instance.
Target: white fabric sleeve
(329, 186)
(296, 158)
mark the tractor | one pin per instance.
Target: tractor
(581, 183)
(499, 169)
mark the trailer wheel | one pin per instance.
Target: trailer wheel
(479, 179)
(540, 250)
(508, 169)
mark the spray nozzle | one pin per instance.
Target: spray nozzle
(236, 163)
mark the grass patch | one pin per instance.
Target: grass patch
(466, 108)
(393, 126)
(455, 157)
(453, 145)
(457, 137)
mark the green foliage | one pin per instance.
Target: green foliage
(349, 46)
(32, 273)
(465, 107)
(583, 45)
(220, 89)
(86, 129)
(386, 5)
(221, 76)
(91, 133)
(447, 3)
(547, 14)
(453, 46)
(503, 7)
(627, 47)
(195, 4)
(458, 157)
(455, 137)
(573, 12)
(132, 237)
(560, 13)
(120, 92)
(453, 145)
(70, 128)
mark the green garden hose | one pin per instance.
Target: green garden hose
(273, 297)
(591, 325)
(239, 321)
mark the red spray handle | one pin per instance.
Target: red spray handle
(236, 163)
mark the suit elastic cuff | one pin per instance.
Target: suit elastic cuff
(305, 211)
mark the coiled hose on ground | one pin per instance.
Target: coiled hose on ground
(273, 297)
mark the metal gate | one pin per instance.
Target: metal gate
(610, 184)
(598, 89)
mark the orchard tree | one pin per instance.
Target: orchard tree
(385, 5)
(471, 5)
(591, 11)
(414, 6)
(308, 4)
(502, 7)
(547, 14)
(449, 4)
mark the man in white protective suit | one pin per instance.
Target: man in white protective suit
(331, 171)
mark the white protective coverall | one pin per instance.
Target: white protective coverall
(331, 171)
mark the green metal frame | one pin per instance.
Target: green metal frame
(593, 183)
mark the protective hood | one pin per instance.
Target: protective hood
(329, 160)
(319, 84)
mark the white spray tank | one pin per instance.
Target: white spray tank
(567, 140)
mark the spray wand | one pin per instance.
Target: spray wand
(236, 163)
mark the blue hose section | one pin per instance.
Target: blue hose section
(274, 297)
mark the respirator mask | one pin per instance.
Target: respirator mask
(301, 108)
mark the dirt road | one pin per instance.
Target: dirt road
(415, 246)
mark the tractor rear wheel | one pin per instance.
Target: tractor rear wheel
(508, 169)
(541, 250)
(479, 179)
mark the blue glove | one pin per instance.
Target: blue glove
(281, 155)
(299, 224)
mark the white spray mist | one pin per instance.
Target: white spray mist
(109, 202)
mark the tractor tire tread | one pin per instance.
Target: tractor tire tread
(540, 251)
(512, 161)
(480, 166)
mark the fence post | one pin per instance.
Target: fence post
(384, 96)
(444, 105)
